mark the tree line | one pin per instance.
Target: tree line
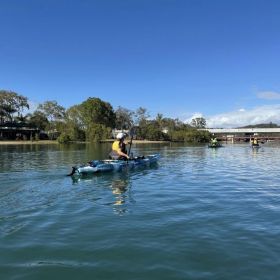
(94, 120)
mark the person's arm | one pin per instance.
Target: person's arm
(123, 154)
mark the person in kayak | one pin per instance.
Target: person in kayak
(214, 141)
(119, 148)
(255, 142)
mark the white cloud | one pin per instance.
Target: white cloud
(269, 95)
(242, 117)
(196, 115)
(262, 114)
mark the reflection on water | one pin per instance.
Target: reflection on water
(16, 158)
(121, 189)
(118, 184)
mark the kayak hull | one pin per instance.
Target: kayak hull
(255, 146)
(100, 166)
(214, 146)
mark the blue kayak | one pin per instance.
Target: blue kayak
(97, 166)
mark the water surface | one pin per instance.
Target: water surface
(199, 214)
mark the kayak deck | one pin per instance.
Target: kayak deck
(97, 166)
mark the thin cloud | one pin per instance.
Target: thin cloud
(268, 95)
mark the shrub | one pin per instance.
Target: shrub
(63, 138)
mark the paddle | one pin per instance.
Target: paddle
(72, 172)
(130, 142)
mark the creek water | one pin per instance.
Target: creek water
(200, 213)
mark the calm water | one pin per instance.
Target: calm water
(199, 214)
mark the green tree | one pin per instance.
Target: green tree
(93, 120)
(140, 119)
(141, 116)
(97, 132)
(63, 138)
(96, 111)
(11, 103)
(21, 104)
(38, 119)
(124, 118)
(74, 116)
(74, 125)
(55, 114)
(52, 110)
(197, 136)
(153, 131)
(178, 135)
(198, 123)
(160, 121)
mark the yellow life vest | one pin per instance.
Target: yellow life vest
(116, 146)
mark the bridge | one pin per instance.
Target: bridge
(244, 134)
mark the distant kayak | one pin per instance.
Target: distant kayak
(98, 166)
(255, 146)
(214, 145)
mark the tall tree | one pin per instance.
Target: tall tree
(52, 110)
(74, 124)
(159, 121)
(124, 118)
(21, 104)
(141, 120)
(74, 116)
(198, 123)
(96, 111)
(55, 114)
(38, 119)
(141, 116)
(11, 103)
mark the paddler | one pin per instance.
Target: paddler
(119, 147)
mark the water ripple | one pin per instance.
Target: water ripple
(200, 213)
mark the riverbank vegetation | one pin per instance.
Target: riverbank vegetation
(95, 120)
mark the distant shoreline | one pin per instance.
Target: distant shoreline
(136, 141)
(23, 142)
(47, 142)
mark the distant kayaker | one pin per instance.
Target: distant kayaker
(255, 142)
(214, 141)
(119, 147)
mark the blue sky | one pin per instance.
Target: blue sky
(182, 58)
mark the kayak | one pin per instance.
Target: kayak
(217, 145)
(255, 146)
(98, 166)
